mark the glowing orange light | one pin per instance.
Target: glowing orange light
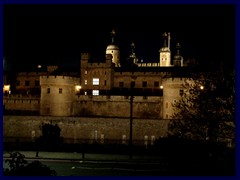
(6, 88)
(77, 87)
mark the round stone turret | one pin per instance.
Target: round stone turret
(114, 51)
(57, 95)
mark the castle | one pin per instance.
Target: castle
(104, 88)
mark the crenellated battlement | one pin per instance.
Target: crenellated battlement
(59, 80)
(85, 56)
(97, 65)
(148, 73)
(148, 64)
(31, 73)
(149, 99)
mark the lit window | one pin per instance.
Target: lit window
(95, 81)
(85, 82)
(95, 92)
(85, 72)
(85, 93)
(153, 140)
(102, 138)
(60, 90)
(124, 137)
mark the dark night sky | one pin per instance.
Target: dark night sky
(57, 34)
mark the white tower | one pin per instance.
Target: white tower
(165, 53)
(114, 51)
(133, 55)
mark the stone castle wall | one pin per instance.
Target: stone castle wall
(57, 95)
(107, 106)
(23, 103)
(85, 130)
(118, 106)
(171, 94)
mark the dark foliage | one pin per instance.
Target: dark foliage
(50, 139)
(18, 166)
(208, 113)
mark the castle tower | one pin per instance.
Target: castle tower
(114, 51)
(172, 91)
(165, 53)
(178, 59)
(133, 55)
(57, 95)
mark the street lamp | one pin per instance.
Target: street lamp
(78, 88)
(131, 120)
(131, 117)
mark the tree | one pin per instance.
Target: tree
(18, 166)
(206, 108)
(50, 139)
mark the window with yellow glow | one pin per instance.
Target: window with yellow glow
(95, 92)
(95, 81)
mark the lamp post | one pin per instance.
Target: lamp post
(131, 121)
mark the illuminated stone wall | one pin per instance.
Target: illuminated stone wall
(28, 81)
(57, 95)
(82, 129)
(118, 106)
(171, 94)
(103, 71)
(138, 78)
(21, 102)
